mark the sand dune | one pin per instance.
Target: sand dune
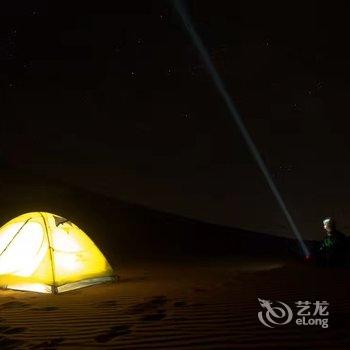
(182, 305)
(122, 229)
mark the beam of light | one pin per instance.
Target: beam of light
(237, 118)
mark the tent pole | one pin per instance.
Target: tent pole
(53, 287)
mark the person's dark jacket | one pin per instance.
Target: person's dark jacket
(334, 248)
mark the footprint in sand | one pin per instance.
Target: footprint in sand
(158, 301)
(151, 310)
(151, 305)
(7, 343)
(50, 344)
(154, 317)
(13, 305)
(45, 308)
(180, 303)
(4, 329)
(112, 333)
(14, 330)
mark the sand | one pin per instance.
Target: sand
(180, 304)
(169, 299)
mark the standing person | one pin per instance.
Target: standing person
(333, 249)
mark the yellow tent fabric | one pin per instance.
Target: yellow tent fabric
(46, 253)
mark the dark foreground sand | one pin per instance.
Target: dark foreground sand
(192, 304)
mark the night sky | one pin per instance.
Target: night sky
(116, 99)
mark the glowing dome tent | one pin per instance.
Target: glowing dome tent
(46, 253)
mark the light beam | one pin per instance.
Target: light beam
(237, 118)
